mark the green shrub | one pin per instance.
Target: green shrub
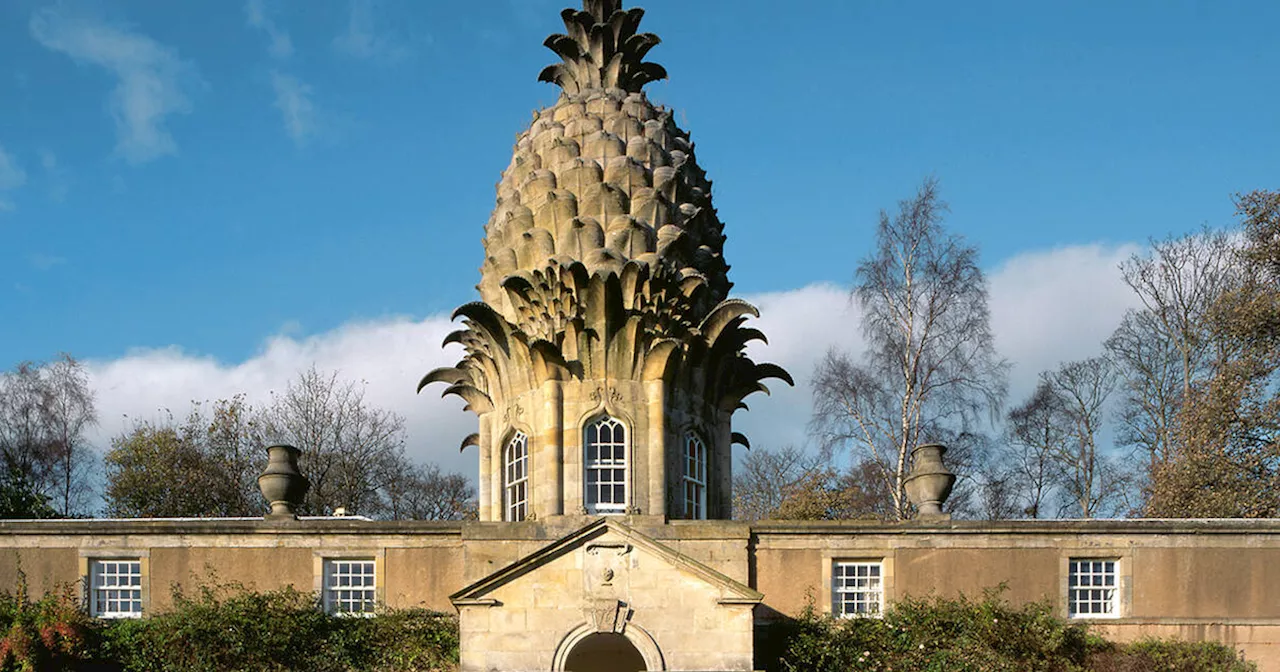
(1152, 655)
(228, 628)
(50, 633)
(964, 635)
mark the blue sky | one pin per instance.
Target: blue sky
(201, 198)
(192, 174)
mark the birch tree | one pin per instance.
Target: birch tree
(1167, 346)
(930, 368)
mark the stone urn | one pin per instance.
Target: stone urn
(930, 482)
(281, 483)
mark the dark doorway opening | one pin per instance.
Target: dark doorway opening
(605, 652)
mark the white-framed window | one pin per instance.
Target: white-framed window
(516, 491)
(605, 464)
(1093, 588)
(349, 586)
(115, 587)
(695, 477)
(857, 588)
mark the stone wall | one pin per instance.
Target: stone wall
(1216, 580)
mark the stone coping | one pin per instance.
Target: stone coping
(556, 526)
(1038, 527)
(304, 525)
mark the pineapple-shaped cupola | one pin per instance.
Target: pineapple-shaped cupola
(602, 50)
(604, 359)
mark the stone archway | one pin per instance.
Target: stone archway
(605, 652)
(587, 649)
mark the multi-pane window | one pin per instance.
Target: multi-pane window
(1092, 588)
(695, 477)
(116, 588)
(605, 463)
(516, 458)
(349, 586)
(857, 588)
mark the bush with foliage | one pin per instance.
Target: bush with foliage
(51, 633)
(1154, 655)
(222, 628)
(965, 635)
(226, 628)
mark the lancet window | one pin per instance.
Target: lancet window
(605, 465)
(516, 486)
(695, 477)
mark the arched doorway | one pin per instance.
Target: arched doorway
(605, 652)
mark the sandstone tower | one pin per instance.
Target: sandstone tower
(605, 359)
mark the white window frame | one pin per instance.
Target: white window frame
(119, 576)
(516, 477)
(695, 477)
(1093, 583)
(594, 468)
(347, 582)
(857, 583)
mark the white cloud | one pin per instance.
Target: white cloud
(151, 79)
(390, 356)
(293, 100)
(364, 39)
(12, 176)
(1046, 307)
(259, 17)
(1055, 306)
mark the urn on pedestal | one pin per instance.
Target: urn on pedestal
(281, 483)
(930, 482)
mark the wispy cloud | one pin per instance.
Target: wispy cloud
(365, 38)
(151, 78)
(12, 176)
(55, 176)
(293, 99)
(259, 17)
(45, 262)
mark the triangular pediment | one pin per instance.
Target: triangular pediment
(606, 533)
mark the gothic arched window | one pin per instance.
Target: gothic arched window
(695, 477)
(605, 466)
(516, 482)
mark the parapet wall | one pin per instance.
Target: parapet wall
(1199, 579)
(1191, 579)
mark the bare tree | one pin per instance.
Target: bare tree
(930, 366)
(1167, 346)
(423, 492)
(1094, 483)
(24, 440)
(766, 476)
(1035, 434)
(45, 411)
(69, 414)
(350, 450)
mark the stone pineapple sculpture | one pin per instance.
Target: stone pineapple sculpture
(604, 287)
